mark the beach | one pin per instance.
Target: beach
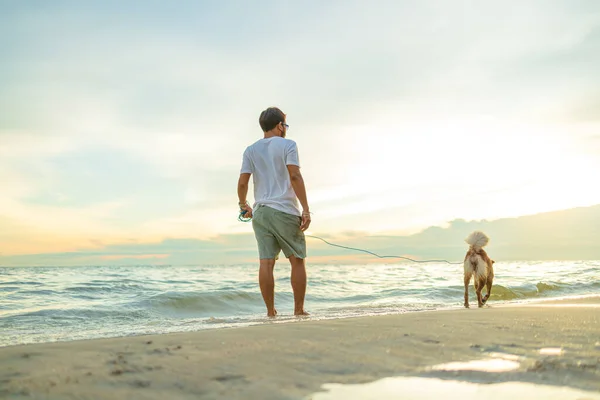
(555, 342)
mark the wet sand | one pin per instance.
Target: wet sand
(554, 343)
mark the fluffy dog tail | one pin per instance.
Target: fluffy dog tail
(477, 240)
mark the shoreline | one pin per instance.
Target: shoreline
(557, 343)
(287, 319)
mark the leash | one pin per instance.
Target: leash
(241, 218)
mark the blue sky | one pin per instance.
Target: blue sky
(125, 121)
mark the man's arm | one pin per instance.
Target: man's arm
(242, 190)
(298, 185)
(243, 187)
(300, 190)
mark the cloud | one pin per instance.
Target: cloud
(132, 123)
(586, 110)
(567, 234)
(158, 74)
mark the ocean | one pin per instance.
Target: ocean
(46, 304)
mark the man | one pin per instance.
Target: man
(277, 220)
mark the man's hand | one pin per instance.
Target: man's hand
(305, 221)
(246, 207)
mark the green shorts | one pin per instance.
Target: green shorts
(276, 231)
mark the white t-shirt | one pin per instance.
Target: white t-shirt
(267, 160)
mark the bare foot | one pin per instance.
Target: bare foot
(272, 314)
(300, 313)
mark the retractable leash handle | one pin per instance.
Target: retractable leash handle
(242, 218)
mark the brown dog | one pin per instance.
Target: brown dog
(480, 266)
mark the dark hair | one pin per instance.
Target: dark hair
(270, 118)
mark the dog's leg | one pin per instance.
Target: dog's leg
(478, 288)
(467, 280)
(490, 280)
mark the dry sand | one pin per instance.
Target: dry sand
(555, 343)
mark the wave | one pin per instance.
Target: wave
(22, 283)
(444, 294)
(202, 304)
(540, 289)
(115, 287)
(58, 316)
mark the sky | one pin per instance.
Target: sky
(123, 123)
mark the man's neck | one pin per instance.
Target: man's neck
(269, 135)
